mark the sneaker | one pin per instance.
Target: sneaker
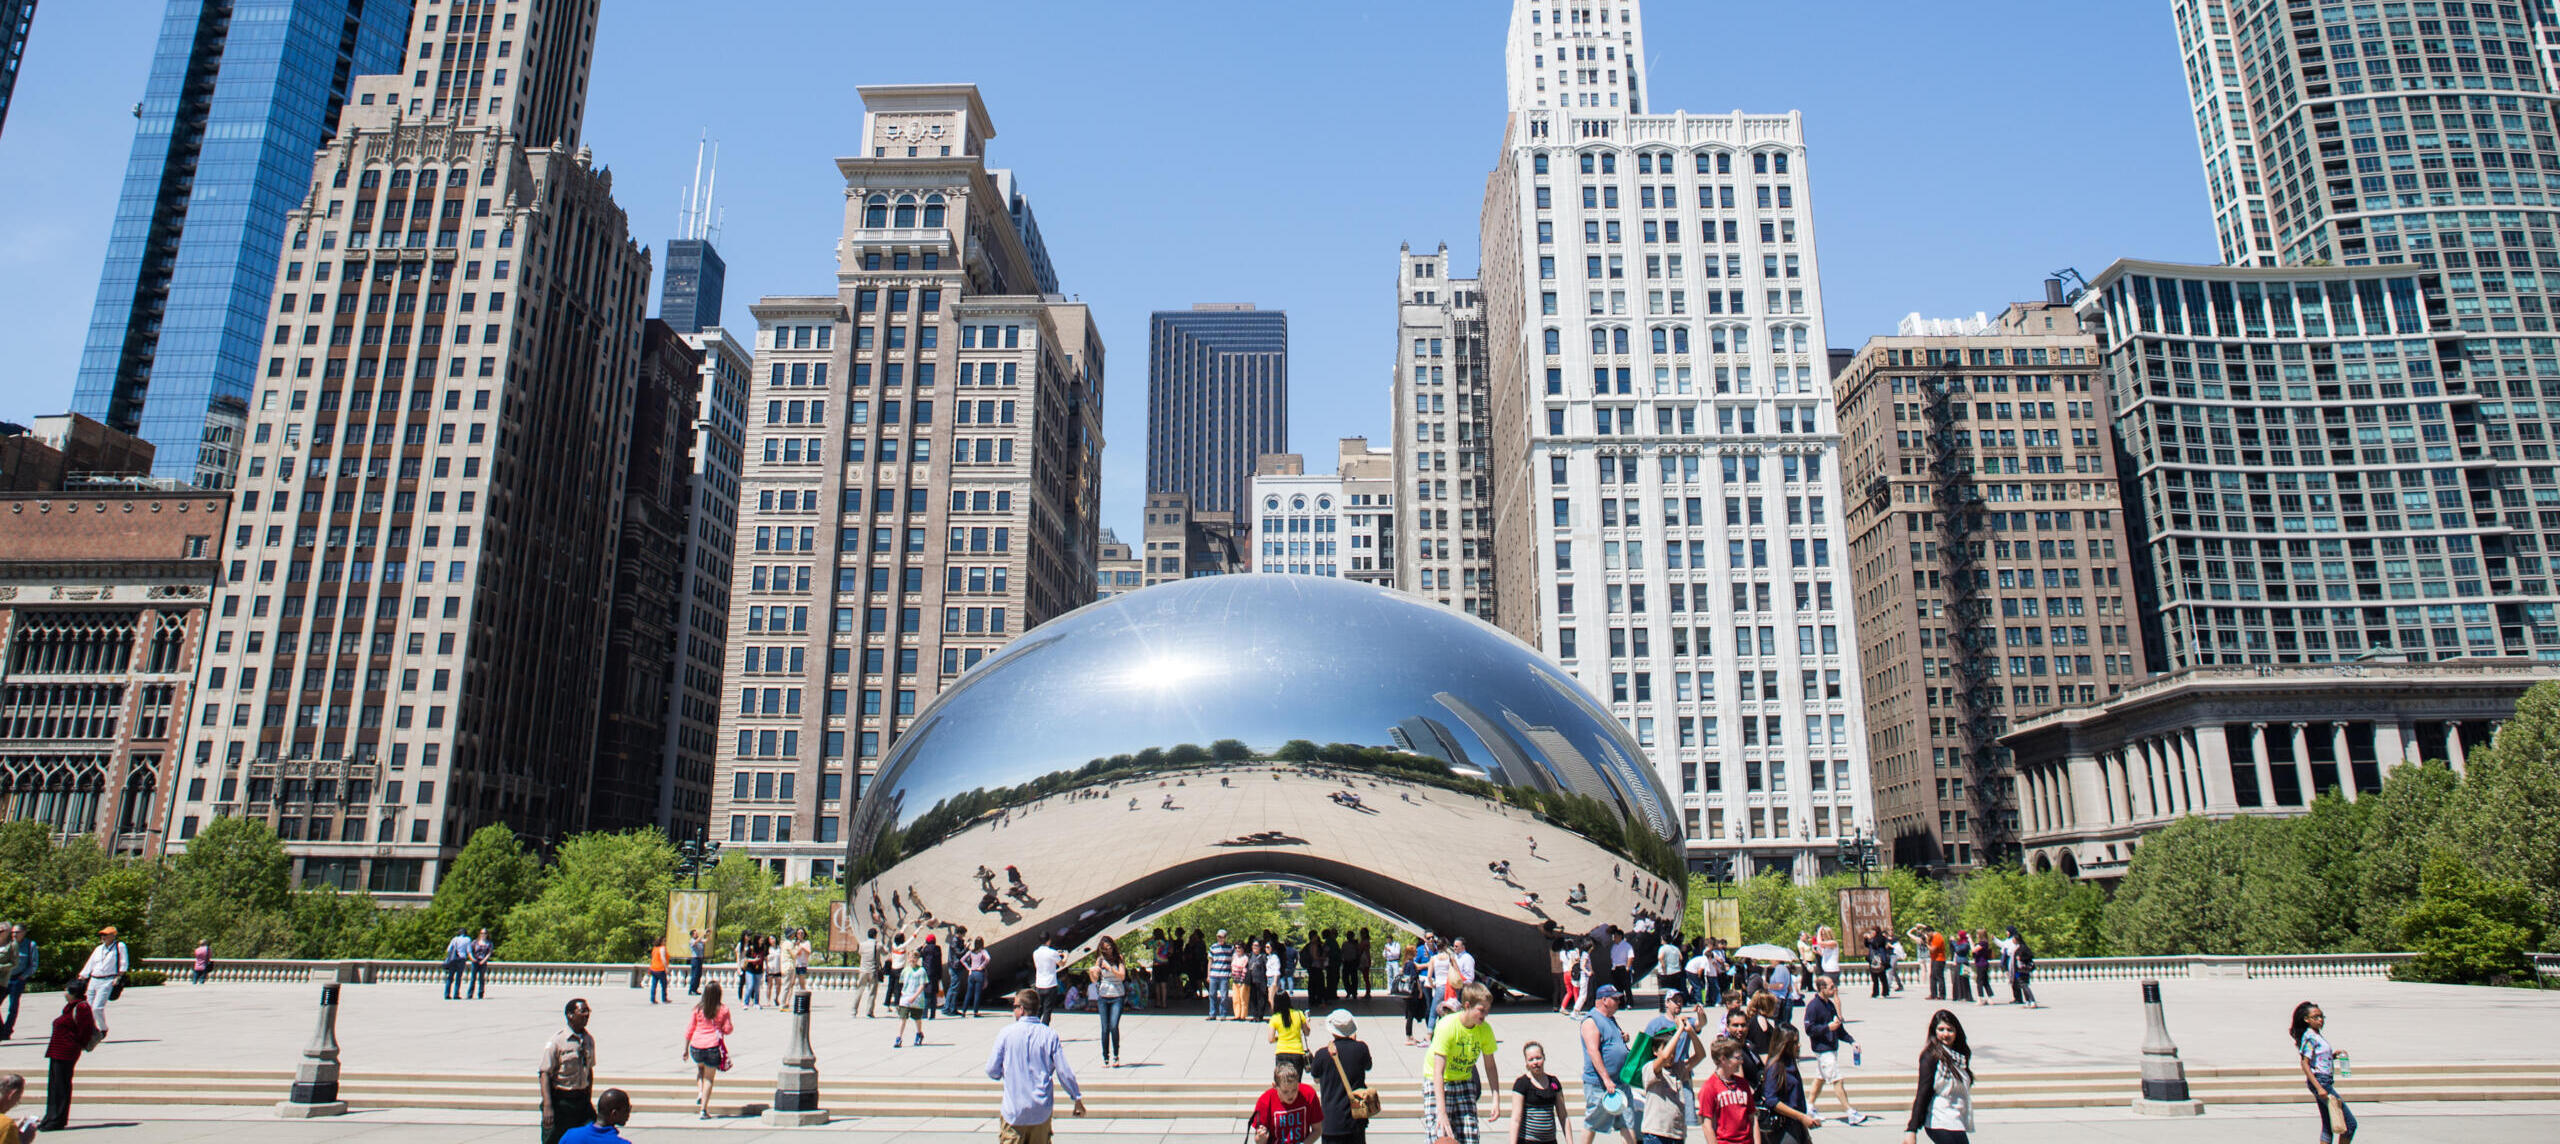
(899, 1043)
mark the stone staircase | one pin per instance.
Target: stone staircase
(1883, 1092)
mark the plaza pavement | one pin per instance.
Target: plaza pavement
(410, 1030)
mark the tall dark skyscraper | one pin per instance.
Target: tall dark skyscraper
(689, 295)
(15, 16)
(228, 123)
(1217, 397)
(690, 300)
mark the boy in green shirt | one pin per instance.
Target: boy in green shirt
(1461, 1042)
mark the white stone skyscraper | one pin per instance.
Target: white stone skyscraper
(1669, 522)
(1443, 441)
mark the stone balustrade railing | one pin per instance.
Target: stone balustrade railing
(840, 978)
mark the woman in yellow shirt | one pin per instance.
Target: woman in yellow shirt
(1288, 1032)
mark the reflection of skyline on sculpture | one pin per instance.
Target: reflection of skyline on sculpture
(1354, 718)
(1122, 662)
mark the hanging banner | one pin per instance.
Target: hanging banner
(1723, 918)
(841, 935)
(1862, 910)
(689, 911)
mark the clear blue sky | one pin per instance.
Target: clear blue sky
(1277, 153)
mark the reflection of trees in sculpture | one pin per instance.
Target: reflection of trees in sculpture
(1578, 813)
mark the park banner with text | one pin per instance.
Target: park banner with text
(840, 935)
(689, 911)
(1722, 918)
(1863, 909)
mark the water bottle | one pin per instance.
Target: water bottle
(2346, 1066)
(1857, 1056)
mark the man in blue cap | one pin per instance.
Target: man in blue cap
(1604, 1049)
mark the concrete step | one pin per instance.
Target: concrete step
(967, 1097)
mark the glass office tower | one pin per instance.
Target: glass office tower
(239, 99)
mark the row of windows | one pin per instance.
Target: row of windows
(1709, 162)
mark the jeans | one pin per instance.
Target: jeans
(750, 984)
(693, 977)
(951, 993)
(977, 990)
(479, 979)
(2021, 991)
(1110, 1008)
(1048, 1003)
(1937, 981)
(9, 1014)
(453, 980)
(2324, 1091)
(657, 986)
(1218, 1000)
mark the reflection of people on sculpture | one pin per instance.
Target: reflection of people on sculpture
(986, 879)
(1578, 897)
(1168, 801)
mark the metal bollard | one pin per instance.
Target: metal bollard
(2164, 1079)
(795, 1088)
(315, 1082)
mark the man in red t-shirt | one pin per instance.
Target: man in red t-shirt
(1288, 1112)
(1724, 1102)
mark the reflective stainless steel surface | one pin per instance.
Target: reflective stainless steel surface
(1215, 730)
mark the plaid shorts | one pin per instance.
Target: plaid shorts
(1461, 1112)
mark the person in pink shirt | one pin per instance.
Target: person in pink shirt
(706, 1043)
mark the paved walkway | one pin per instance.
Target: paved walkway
(2415, 1123)
(405, 1028)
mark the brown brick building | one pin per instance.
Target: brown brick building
(103, 598)
(1987, 551)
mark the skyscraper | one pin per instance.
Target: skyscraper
(2338, 442)
(1987, 554)
(1443, 435)
(695, 277)
(1668, 517)
(644, 643)
(1217, 397)
(922, 477)
(16, 16)
(418, 585)
(710, 548)
(227, 127)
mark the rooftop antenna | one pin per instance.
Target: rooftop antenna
(694, 217)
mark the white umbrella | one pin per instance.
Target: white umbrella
(1765, 952)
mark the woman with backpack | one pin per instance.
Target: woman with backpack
(2022, 967)
(75, 1031)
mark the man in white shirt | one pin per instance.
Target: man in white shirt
(1462, 965)
(107, 965)
(1395, 963)
(1666, 967)
(1044, 976)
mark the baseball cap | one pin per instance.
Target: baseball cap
(110, 931)
(1607, 991)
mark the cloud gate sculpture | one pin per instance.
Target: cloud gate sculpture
(1233, 729)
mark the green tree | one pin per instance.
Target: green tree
(2181, 893)
(1775, 909)
(1230, 751)
(2404, 823)
(605, 901)
(2506, 815)
(2061, 916)
(2468, 928)
(492, 876)
(332, 923)
(229, 887)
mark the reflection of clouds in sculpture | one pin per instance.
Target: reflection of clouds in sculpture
(1458, 741)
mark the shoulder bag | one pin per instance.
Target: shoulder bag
(1364, 1101)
